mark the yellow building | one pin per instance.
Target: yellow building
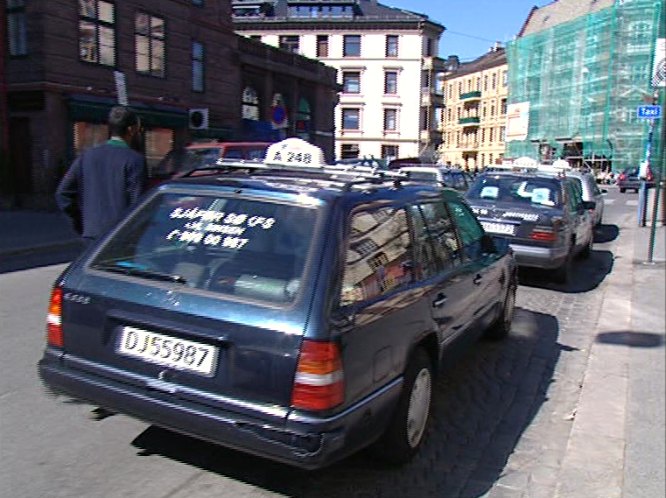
(474, 118)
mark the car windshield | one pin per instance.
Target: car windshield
(534, 191)
(177, 161)
(242, 247)
(455, 179)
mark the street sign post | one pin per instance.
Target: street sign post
(648, 111)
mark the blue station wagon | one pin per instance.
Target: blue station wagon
(293, 311)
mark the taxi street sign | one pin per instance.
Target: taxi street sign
(649, 111)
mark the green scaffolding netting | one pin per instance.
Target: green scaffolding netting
(584, 80)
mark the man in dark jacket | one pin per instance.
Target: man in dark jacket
(106, 180)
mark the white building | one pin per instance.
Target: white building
(391, 96)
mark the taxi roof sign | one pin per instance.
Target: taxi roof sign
(295, 152)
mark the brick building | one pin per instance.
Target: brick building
(177, 62)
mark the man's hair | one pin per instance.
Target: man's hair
(120, 118)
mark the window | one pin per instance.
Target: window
(503, 107)
(390, 83)
(349, 151)
(505, 78)
(382, 264)
(351, 82)
(391, 45)
(469, 229)
(351, 118)
(494, 81)
(289, 43)
(428, 47)
(425, 79)
(322, 45)
(197, 67)
(485, 83)
(502, 136)
(303, 119)
(16, 28)
(149, 40)
(425, 119)
(435, 240)
(390, 119)
(389, 151)
(250, 104)
(491, 134)
(97, 38)
(351, 46)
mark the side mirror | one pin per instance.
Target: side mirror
(589, 205)
(604, 191)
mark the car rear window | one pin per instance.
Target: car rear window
(253, 249)
(534, 191)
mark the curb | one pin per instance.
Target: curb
(68, 245)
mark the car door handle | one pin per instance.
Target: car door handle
(439, 302)
(477, 280)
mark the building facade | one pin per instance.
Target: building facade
(177, 62)
(391, 93)
(578, 71)
(473, 123)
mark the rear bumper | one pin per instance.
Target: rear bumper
(303, 440)
(539, 257)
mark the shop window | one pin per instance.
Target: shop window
(159, 142)
(303, 119)
(149, 45)
(390, 151)
(97, 37)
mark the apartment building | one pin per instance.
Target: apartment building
(65, 63)
(474, 120)
(390, 76)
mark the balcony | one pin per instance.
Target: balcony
(470, 121)
(469, 146)
(475, 95)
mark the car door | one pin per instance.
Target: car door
(583, 218)
(438, 265)
(484, 278)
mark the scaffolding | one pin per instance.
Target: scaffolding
(583, 80)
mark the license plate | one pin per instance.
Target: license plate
(169, 351)
(500, 228)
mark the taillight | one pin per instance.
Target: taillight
(622, 177)
(543, 234)
(54, 319)
(319, 378)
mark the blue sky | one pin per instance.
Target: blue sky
(472, 25)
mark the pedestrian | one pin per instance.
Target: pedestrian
(105, 180)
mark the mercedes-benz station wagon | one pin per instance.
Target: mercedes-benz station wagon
(293, 310)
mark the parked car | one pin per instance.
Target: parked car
(591, 193)
(454, 178)
(296, 312)
(180, 161)
(629, 179)
(543, 216)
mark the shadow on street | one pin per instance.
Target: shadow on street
(483, 403)
(606, 233)
(587, 274)
(631, 339)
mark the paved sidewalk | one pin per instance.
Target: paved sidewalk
(29, 232)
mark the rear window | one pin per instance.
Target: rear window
(534, 191)
(242, 247)
(428, 176)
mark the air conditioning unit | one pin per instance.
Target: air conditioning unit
(198, 119)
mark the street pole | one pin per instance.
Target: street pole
(660, 183)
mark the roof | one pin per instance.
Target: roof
(494, 58)
(560, 12)
(364, 11)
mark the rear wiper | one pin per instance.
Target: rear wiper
(151, 274)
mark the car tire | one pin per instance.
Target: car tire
(500, 329)
(622, 190)
(411, 418)
(563, 273)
